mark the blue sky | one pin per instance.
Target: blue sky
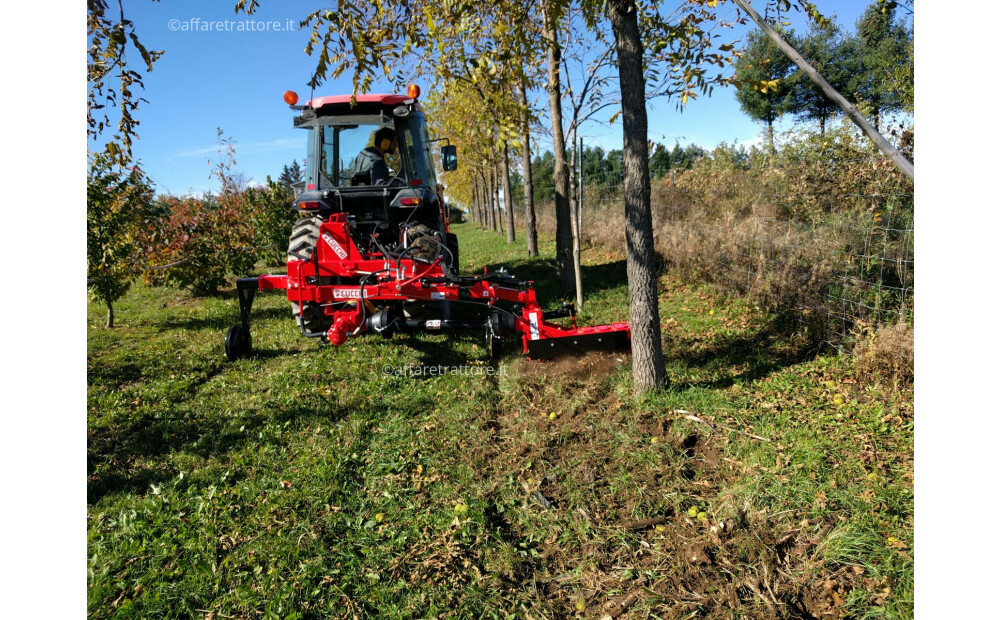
(234, 80)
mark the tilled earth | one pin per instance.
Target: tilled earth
(699, 550)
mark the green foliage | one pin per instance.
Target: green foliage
(199, 244)
(110, 40)
(116, 199)
(873, 66)
(543, 185)
(269, 212)
(659, 161)
(825, 50)
(882, 47)
(202, 241)
(762, 73)
(684, 158)
(602, 172)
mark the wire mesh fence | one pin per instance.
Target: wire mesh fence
(826, 238)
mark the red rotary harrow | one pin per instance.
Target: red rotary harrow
(386, 287)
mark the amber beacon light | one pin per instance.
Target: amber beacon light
(412, 91)
(291, 97)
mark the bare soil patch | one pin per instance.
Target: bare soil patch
(692, 554)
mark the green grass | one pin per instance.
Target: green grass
(304, 482)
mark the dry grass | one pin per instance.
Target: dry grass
(818, 232)
(733, 239)
(886, 353)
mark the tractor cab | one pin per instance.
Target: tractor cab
(340, 131)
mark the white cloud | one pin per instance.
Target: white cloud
(249, 148)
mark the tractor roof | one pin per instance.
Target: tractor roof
(385, 100)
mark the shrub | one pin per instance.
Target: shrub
(198, 244)
(116, 199)
(200, 241)
(270, 214)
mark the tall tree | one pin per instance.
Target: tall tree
(491, 202)
(659, 161)
(648, 370)
(585, 101)
(290, 175)
(552, 13)
(508, 198)
(825, 52)
(881, 46)
(531, 233)
(762, 73)
(541, 173)
(904, 165)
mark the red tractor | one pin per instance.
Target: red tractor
(376, 255)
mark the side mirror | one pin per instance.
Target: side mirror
(449, 157)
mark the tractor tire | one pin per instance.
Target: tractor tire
(302, 246)
(305, 236)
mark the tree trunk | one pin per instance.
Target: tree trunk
(529, 198)
(111, 315)
(508, 200)
(484, 194)
(579, 209)
(495, 201)
(484, 218)
(477, 201)
(496, 197)
(574, 216)
(648, 372)
(560, 175)
(489, 202)
(473, 214)
(474, 210)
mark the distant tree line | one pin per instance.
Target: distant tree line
(605, 168)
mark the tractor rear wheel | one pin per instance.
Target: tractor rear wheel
(451, 240)
(305, 236)
(302, 246)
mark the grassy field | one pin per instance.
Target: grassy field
(305, 482)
